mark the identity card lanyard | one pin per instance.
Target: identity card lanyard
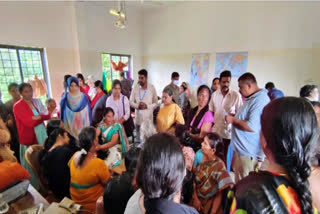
(144, 94)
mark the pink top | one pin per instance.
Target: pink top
(207, 118)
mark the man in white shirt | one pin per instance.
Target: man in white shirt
(224, 101)
(144, 100)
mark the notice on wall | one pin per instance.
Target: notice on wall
(199, 69)
(236, 62)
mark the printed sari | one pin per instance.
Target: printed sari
(211, 177)
(75, 110)
(115, 156)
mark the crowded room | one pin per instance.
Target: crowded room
(159, 107)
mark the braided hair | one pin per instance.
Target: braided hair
(86, 138)
(289, 126)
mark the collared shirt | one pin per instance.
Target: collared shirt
(175, 91)
(275, 93)
(149, 97)
(244, 142)
(222, 105)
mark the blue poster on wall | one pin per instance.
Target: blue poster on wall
(236, 62)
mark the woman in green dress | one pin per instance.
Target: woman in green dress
(114, 138)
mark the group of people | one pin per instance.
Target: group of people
(253, 142)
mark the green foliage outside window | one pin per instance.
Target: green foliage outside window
(108, 73)
(17, 65)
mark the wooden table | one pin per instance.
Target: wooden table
(29, 200)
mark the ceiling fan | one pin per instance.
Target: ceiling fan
(120, 13)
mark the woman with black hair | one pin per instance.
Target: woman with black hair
(30, 117)
(160, 173)
(89, 174)
(119, 189)
(113, 137)
(289, 132)
(56, 124)
(119, 103)
(211, 177)
(121, 108)
(215, 84)
(54, 162)
(84, 88)
(98, 102)
(75, 110)
(170, 114)
(200, 119)
(98, 85)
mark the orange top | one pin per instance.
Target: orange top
(87, 183)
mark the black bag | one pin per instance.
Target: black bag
(183, 134)
(102, 154)
(128, 124)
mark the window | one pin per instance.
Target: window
(20, 64)
(109, 73)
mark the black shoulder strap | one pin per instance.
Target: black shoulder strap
(123, 105)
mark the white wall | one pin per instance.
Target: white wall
(97, 34)
(46, 25)
(74, 34)
(281, 37)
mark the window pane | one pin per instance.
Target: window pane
(124, 59)
(7, 63)
(109, 72)
(8, 60)
(107, 82)
(8, 71)
(5, 55)
(31, 65)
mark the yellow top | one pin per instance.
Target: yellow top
(168, 117)
(87, 183)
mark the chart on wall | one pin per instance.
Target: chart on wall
(199, 69)
(236, 62)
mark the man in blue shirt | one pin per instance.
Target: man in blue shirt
(273, 93)
(245, 137)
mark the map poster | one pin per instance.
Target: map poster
(199, 69)
(236, 62)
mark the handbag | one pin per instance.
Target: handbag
(128, 124)
(66, 206)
